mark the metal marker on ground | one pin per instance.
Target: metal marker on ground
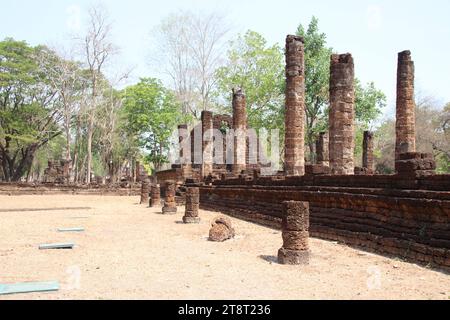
(56, 246)
(71, 230)
(28, 287)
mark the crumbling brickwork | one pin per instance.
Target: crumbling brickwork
(403, 216)
(342, 114)
(405, 140)
(185, 151)
(323, 155)
(367, 160)
(207, 144)
(155, 194)
(295, 232)
(240, 129)
(192, 205)
(295, 107)
(170, 205)
(145, 190)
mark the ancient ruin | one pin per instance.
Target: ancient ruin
(221, 230)
(240, 128)
(295, 107)
(295, 228)
(145, 190)
(192, 205)
(342, 114)
(405, 133)
(155, 194)
(170, 206)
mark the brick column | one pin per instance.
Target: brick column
(192, 206)
(342, 114)
(322, 143)
(155, 193)
(207, 144)
(185, 151)
(240, 130)
(295, 107)
(295, 227)
(367, 160)
(405, 125)
(145, 190)
(170, 206)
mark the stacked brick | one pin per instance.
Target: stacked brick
(367, 160)
(408, 224)
(170, 205)
(295, 228)
(405, 111)
(415, 164)
(155, 193)
(294, 158)
(192, 205)
(185, 151)
(145, 190)
(322, 143)
(240, 129)
(207, 143)
(342, 114)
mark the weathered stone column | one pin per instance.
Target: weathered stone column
(295, 227)
(185, 151)
(155, 193)
(294, 159)
(137, 172)
(170, 205)
(145, 190)
(342, 114)
(207, 143)
(322, 143)
(405, 125)
(240, 130)
(192, 206)
(367, 160)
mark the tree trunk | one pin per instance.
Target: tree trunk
(89, 150)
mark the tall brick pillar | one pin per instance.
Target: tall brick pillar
(342, 114)
(240, 130)
(185, 148)
(405, 125)
(367, 160)
(322, 144)
(294, 158)
(207, 144)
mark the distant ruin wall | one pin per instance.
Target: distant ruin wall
(410, 224)
(12, 189)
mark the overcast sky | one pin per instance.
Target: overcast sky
(373, 31)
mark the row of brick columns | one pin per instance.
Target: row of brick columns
(336, 148)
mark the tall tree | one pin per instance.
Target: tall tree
(98, 49)
(152, 114)
(258, 69)
(29, 115)
(317, 79)
(190, 48)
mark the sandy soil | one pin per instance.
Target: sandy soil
(129, 251)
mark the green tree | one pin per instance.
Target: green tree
(28, 107)
(259, 70)
(317, 79)
(152, 114)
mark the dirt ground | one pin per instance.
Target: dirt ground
(129, 251)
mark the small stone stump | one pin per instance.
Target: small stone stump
(192, 206)
(295, 227)
(145, 190)
(170, 205)
(221, 230)
(155, 193)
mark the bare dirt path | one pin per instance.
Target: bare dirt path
(129, 251)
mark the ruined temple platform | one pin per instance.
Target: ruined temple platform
(129, 251)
